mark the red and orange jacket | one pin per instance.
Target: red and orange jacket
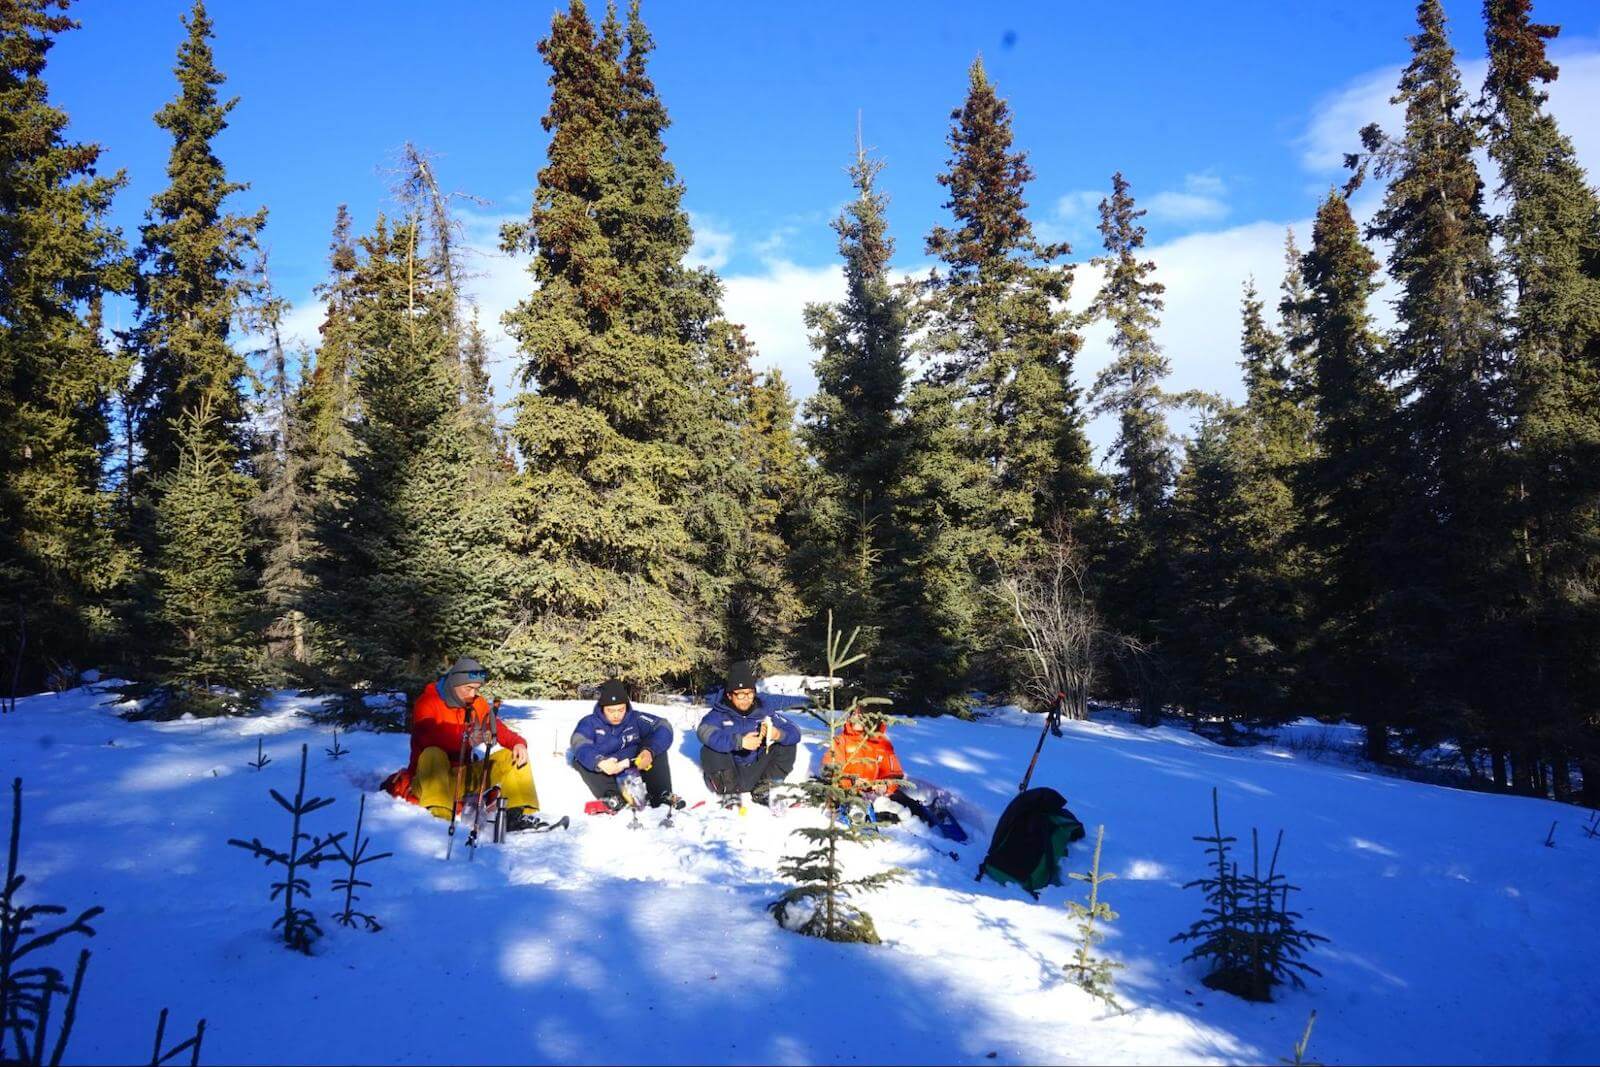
(869, 758)
(435, 724)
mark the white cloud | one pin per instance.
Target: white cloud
(1200, 200)
(713, 245)
(771, 307)
(1339, 117)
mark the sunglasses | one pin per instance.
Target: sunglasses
(474, 676)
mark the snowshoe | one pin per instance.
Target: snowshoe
(524, 821)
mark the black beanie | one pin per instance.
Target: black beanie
(611, 692)
(742, 675)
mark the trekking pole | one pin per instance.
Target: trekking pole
(483, 781)
(1052, 724)
(461, 782)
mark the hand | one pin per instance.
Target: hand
(519, 756)
(644, 760)
(610, 765)
(751, 740)
(478, 734)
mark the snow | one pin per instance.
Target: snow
(1457, 936)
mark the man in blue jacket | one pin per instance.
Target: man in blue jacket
(615, 737)
(744, 746)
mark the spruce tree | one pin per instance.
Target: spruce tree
(1551, 249)
(207, 659)
(59, 563)
(941, 521)
(194, 262)
(1241, 569)
(606, 577)
(283, 508)
(1350, 489)
(765, 611)
(1450, 360)
(997, 328)
(409, 543)
(852, 421)
(1140, 595)
(192, 416)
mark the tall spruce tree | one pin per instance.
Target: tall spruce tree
(607, 577)
(1449, 357)
(1350, 488)
(997, 327)
(195, 276)
(1140, 593)
(1551, 248)
(409, 560)
(194, 262)
(852, 421)
(59, 563)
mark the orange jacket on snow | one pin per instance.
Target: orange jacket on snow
(435, 724)
(869, 758)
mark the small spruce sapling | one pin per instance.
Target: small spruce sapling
(1092, 973)
(820, 879)
(27, 988)
(191, 1045)
(1251, 939)
(1592, 830)
(356, 857)
(262, 759)
(300, 929)
(336, 751)
(1550, 838)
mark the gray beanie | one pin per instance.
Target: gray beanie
(465, 669)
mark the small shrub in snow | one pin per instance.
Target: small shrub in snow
(1300, 1046)
(28, 988)
(1247, 935)
(1094, 974)
(819, 904)
(337, 750)
(262, 759)
(300, 929)
(356, 857)
(1592, 830)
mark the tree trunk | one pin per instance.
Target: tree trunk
(1589, 793)
(1500, 780)
(1561, 778)
(1377, 742)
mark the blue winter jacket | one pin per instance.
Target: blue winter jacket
(723, 726)
(594, 739)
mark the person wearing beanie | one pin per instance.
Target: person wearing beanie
(744, 745)
(447, 713)
(616, 736)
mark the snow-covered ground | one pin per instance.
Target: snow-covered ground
(1457, 936)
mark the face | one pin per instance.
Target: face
(614, 713)
(467, 692)
(741, 699)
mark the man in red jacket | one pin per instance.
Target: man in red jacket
(443, 712)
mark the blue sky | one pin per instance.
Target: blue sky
(1227, 118)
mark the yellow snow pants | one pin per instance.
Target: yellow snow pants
(435, 782)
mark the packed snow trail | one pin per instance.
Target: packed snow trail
(1456, 935)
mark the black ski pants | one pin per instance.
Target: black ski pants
(725, 776)
(657, 782)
